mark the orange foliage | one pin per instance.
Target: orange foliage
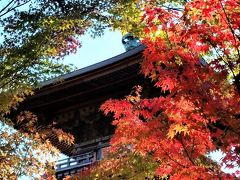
(194, 55)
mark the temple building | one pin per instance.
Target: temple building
(73, 101)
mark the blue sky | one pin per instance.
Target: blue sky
(96, 50)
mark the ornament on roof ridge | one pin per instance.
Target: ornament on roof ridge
(130, 42)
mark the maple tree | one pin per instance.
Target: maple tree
(192, 53)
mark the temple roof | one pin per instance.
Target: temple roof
(94, 67)
(86, 80)
(82, 90)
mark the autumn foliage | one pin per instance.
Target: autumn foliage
(192, 52)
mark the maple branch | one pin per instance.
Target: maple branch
(6, 6)
(229, 128)
(171, 157)
(185, 150)
(11, 8)
(229, 25)
(220, 126)
(167, 37)
(171, 47)
(192, 146)
(236, 77)
(172, 8)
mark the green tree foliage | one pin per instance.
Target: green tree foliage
(36, 35)
(25, 153)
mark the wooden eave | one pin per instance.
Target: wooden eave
(87, 80)
(112, 78)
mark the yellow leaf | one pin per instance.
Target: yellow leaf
(177, 128)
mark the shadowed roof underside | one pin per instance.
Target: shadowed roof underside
(112, 78)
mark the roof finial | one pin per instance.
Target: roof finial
(129, 42)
